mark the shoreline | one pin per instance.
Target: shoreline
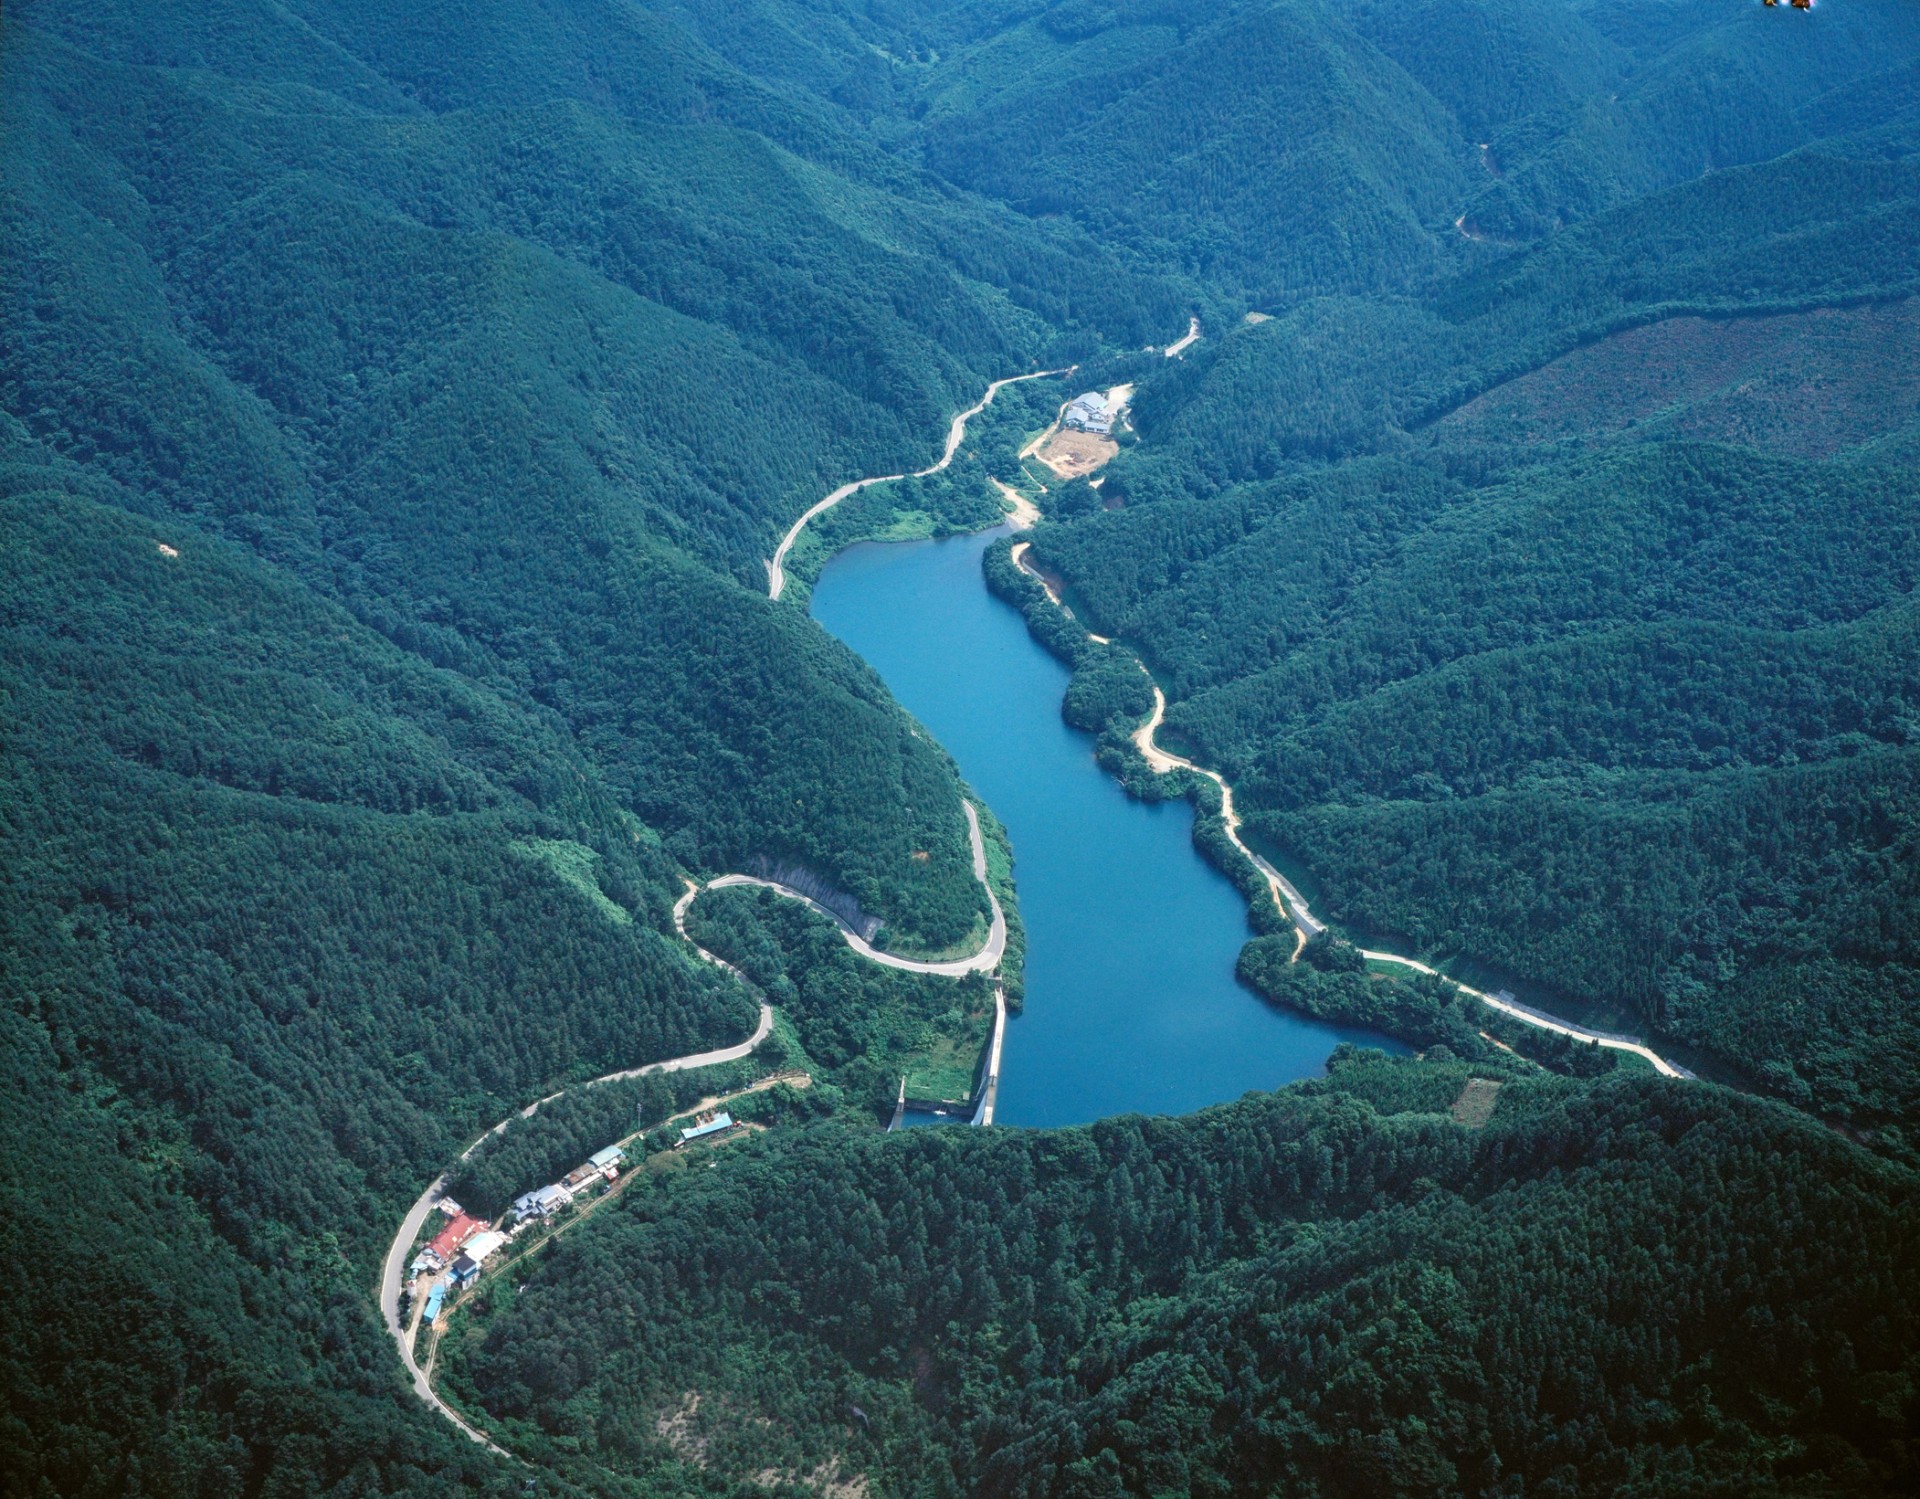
(1286, 897)
(956, 434)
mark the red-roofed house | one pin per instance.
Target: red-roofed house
(447, 1242)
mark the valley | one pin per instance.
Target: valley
(1309, 609)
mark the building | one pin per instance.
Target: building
(577, 1179)
(426, 1262)
(447, 1242)
(482, 1245)
(465, 1270)
(1089, 413)
(435, 1298)
(541, 1202)
(719, 1124)
(607, 1161)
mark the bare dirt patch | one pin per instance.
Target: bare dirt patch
(1255, 319)
(677, 1430)
(166, 551)
(827, 1480)
(1022, 513)
(1474, 1106)
(1074, 455)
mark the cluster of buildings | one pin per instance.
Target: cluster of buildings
(459, 1249)
(1089, 413)
(544, 1202)
(453, 1256)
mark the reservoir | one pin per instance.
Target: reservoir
(1131, 1004)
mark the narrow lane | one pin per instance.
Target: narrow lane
(1293, 905)
(956, 434)
(984, 961)
(393, 1269)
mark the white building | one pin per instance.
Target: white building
(542, 1201)
(1089, 413)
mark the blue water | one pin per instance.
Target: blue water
(1131, 937)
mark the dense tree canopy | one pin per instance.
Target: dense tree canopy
(397, 406)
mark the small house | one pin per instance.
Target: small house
(448, 1241)
(435, 1298)
(466, 1269)
(607, 1161)
(577, 1179)
(426, 1262)
(542, 1201)
(719, 1124)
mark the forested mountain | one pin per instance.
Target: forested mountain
(1641, 1287)
(1502, 607)
(397, 406)
(395, 422)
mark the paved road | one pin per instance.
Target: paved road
(956, 434)
(1308, 926)
(1292, 904)
(1546, 1022)
(393, 1271)
(984, 961)
(1175, 350)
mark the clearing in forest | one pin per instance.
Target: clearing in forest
(1474, 1106)
(1074, 455)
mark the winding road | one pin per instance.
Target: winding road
(394, 1269)
(1292, 904)
(984, 961)
(1289, 900)
(956, 434)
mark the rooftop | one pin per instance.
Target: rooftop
(713, 1126)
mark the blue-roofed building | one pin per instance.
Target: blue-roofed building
(435, 1298)
(600, 1160)
(719, 1124)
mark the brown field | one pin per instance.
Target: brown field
(1074, 455)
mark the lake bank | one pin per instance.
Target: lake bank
(1132, 1004)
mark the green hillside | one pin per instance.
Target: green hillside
(1335, 1290)
(398, 406)
(1533, 685)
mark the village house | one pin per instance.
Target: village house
(466, 1268)
(441, 1249)
(1089, 413)
(541, 1202)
